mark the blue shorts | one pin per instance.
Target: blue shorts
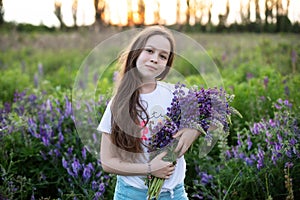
(123, 191)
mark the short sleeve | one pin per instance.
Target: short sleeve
(105, 123)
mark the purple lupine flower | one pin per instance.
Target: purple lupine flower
(279, 137)
(44, 156)
(101, 187)
(68, 108)
(256, 128)
(106, 177)
(97, 196)
(70, 151)
(292, 142)
(287, 103)
(268, 134)
(288, 165)
(60, 138)
(194, 109)
(32, 126)
(266, 81)
(64, 163)
(98, 174)
(45, 140)
(249, 76)
(272, 123)
(287, 90)
(234, 151)
(249, 161)
(262, 98)
(241, 156)
(76, 166)
(228, 154)
(239, 142)
(19, 96)
(115, 76)
(88, 169)
(260, 160)
(70, 173)
(206, 178)
(57, 153)
(278, 107)
(94, 185)
(32, 99)
(83, 153)
(249, 143)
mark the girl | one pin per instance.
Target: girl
(140, 101)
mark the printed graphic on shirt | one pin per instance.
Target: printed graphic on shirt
(156, 117)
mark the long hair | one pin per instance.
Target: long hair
(126, 108)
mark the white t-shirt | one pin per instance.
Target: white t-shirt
(157, 103)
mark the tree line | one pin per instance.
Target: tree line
(271, 17)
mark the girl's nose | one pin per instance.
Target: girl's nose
(154, 58)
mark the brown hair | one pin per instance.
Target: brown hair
(126, 108)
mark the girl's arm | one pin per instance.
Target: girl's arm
(112, 163)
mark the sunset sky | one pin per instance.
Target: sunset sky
(38, 12)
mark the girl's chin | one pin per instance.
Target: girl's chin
(148, 78)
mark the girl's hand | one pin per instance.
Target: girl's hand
(161, 168)
(186, 138)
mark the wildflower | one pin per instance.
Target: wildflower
(64, 163)
(257, 128)
(68, 109)
(260, 156)
(205, 178)
(287, 90)
(60, 138)
(94, 185)
(266, 81)
(293, 56)
(76, 166)
(249, 76)
(115, 76)
(249, 143)
(192, 108)
(83, 152)
(288, 165)
(88, 169)
(249, 161)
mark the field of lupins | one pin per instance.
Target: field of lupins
(43, 157)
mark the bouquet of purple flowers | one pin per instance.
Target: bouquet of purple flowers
(190, 108)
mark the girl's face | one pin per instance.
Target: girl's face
(154, 57)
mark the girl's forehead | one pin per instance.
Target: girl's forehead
(159, 42)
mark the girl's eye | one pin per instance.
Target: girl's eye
(149, 50)
(163, 57)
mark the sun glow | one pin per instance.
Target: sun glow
(124, 12)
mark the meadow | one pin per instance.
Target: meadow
(43, 157)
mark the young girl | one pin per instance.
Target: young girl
(140, 101)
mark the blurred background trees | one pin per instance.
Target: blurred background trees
(204, 15)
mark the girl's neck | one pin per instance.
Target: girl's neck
(148, 87)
